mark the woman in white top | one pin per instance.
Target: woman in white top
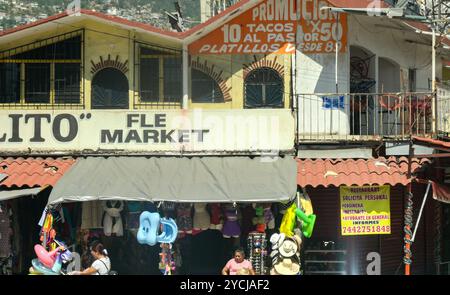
(101, 265)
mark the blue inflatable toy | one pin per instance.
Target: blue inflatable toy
(38, 266)
(169, 231)
(58, 264)
(148, 228)
(149, 225)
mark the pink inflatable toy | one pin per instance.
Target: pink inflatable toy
(46, 258)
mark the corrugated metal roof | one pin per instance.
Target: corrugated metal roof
(31, 172)
(359, 3)
(336, 172)
(12, 194)
(432, 142)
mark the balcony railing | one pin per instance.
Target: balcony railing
(363, 116)
(443, 108)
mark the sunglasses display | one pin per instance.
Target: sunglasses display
(257, 247)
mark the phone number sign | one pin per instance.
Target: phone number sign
(278, 26)
(365, 210)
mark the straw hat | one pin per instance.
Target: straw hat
(273, 253)
(298, 239)
(277, 240)
(288, 248)
(287, 267)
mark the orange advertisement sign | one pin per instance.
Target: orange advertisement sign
(278, 26)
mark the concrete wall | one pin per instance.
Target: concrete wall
(232, 69)
(316, 74)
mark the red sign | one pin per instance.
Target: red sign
(276, 26)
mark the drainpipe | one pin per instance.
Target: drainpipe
(185, 77)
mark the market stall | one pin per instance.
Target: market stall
(216, 203)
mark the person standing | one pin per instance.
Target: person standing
(238, 265)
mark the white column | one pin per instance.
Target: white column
(433, 79)
(378, 128)
(185, 77)
(377, 73)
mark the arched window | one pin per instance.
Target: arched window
(109, 90)
(204, 88)
(264, 89)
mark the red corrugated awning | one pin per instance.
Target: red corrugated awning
(441, 192)
(32, 172)
(337, 172)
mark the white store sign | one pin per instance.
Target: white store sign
(147, 131)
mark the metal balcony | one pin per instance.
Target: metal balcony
(363, 116)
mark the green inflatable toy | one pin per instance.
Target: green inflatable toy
(308, 222)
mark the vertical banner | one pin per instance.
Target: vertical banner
(278, 26)
(365, 210)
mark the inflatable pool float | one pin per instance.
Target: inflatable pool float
(46, 258)
(33, 272)
(39, 267)
(149, 225)
(169, 231)
(148, 228)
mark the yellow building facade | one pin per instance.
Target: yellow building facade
(43, 65)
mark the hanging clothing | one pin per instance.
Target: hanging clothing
(216, 216)
(248, 212)
(5, 233)
(259, 220)
(169, 209)
(91, 215)
(184, 218)
(134, 212)
(269, 219)
(201, 216)
(231, 226)
(112, 220)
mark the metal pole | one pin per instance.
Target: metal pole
(433, 78)
(421, 210)
(185, 77)
(335, 77)
(337, 51)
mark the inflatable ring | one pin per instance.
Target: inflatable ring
(66, 256)
(46, 258)
(58, 264)
(33, 272)
(148, 228)
(39, 267)
(169, 231)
